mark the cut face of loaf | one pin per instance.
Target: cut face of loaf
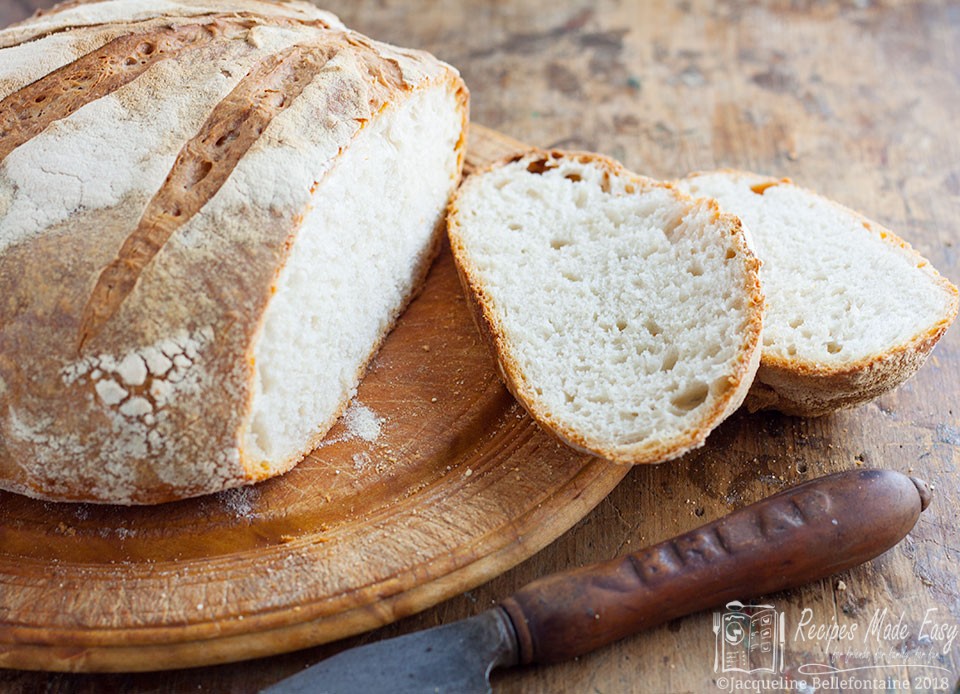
(852, 310)
(211, 214)
(624, 316)
(363, 248)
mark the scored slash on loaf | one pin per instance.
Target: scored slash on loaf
(624, 316)
(211, 214)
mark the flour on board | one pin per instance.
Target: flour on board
(359, 422)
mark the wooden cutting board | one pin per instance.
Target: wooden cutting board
(457, 486)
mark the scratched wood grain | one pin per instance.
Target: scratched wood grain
(854, 99)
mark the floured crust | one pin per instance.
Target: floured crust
(77, 14)
(802, 387)
(491, 328)
(149, 405)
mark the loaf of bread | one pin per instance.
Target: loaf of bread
(211, 213)
(624, 316)
(852, 310)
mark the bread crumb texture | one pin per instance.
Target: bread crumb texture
(626, 317)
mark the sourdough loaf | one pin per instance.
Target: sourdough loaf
(852, 310)
(211, 213)
(624, 316)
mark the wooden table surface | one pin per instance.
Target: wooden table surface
(854, 99)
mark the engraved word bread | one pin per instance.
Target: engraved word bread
(211, 214)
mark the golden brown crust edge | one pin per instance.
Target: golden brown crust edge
(513, 377)
(813, 392)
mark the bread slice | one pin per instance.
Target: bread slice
(852, 309)
(211, 213)
(624, 316)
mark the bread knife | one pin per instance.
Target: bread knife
(799, 535)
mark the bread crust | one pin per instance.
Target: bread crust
(805, 388)
(152, 407)
(512, 374)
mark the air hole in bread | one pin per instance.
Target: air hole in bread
(670, 227)
(695, 269)
(731, 254)
(540, 166)
(761, 188)
(513, 226)
(576, 178)
(796, 321)
(834, 347)
(621, 325)
(630, 188)
(670, 359)
(652, 327)
(557, 244)
(690, 397)
(720, 385)
(572, 276)
(605, 183)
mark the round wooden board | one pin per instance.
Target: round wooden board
(458, 486)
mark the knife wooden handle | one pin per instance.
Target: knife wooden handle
(800, 535)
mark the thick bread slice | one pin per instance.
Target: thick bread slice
(211, 213)
(852, 309)
(625, 317)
